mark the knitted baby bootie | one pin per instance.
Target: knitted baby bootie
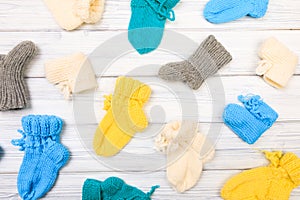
(14, 92)
(221, 11)
(147, 22)
(275, 181)
(124, 117)
(205, 62)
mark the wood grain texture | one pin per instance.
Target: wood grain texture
(30, 20)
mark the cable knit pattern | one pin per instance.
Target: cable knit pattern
(275, 181)
(13, 88)
(205, 62)
(222, 11)
(124, 117)
(113, 188)
(278, 63)
(251, 121)
(44, 155)
(183, 144)
(147, 22)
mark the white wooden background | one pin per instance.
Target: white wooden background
(30, 20)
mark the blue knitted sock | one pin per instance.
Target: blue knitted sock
(54, 157)
(221, 11)
(147, 23)
(36, 129)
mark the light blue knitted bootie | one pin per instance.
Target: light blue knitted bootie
(147, 23)
(251, 121)
(221, 11)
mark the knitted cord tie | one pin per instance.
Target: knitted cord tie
(162, 11)
(153, 188)
(263, 67)
(108, 100)
(65, 88)
(252, 103)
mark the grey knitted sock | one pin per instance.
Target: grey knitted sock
(206, 61)
(13, 89)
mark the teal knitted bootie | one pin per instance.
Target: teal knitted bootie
(147, 23)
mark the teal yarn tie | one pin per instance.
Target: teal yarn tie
(147, 22)
(222, 11)
(153, 188)
(252, 120)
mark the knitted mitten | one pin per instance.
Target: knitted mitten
(113, 188)
(70, 14)
(124, 117)
(71, 74)
(36, 131)
(147, 22)
(251, 121)
(205, 62)
(278, 63)
(221, 11)
(183, 145)
(14, 92)
(275, 181)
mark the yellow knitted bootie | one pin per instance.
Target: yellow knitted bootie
(273, 182)
(124, 117)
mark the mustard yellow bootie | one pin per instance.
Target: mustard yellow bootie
(272, 182)
(124, 117)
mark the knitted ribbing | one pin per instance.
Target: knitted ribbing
(13, 88)
(205, 62)
(113, 188)
(278, 63)
(44, 155)
(147, 22)
(251, 121)
(275, 181)
(221, 11)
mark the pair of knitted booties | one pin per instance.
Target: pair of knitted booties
(113, 188)
(13, 88)
(275, 181)
(124, 117)
(44, 155)
(184, 147)
(252, 120)
(70, 14)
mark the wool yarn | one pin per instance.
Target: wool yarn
(222, 11)
(13, 88)
(124, 117)
(183, 144)
(70, 14)
(278, 63)
(44, 155)
(275, 181)
(113, 188)
(71, 74)
(252, 120)
(205, 62)
(147, 22)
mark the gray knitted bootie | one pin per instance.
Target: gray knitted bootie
(205, 62)
(13, 89)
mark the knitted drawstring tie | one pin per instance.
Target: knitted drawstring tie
(162, 11)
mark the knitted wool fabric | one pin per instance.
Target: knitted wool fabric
(222, 11)
(251, 121)
(13, 88)
(278, 63)
(275, 181)
(124, 117)
(113, 188)
(183, 145)
(70, 14)
(205, 62)
(71, 74)
(43, 155)
(147, 22)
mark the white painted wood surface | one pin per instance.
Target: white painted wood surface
(30, 20)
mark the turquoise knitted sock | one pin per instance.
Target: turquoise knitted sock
(113, 188)
(36, 130)
(221, 11)
(147, 23)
